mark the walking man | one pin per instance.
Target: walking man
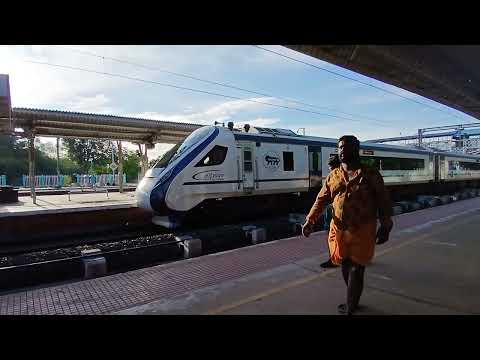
(358, 194)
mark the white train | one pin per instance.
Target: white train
(232, 170)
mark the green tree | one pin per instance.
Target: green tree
(14, 161)
(88, 153)
(69, 167)
(131, 165)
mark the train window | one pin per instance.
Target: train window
(165, 159)
(370, 161)
(415, 164)
(453, 165)
(469, 165)
(288, 161)
(216, 156)
(247, 161)
(390, 163)
(193, 139)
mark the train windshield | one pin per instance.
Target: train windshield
(193, 139)
(165, 159)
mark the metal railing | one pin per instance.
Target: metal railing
(102, 179)
(45, 180)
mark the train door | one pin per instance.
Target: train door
(247, 167)
(439, 161)
(441, 167)
(435, 167)
(315, 166)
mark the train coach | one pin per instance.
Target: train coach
(223, 171)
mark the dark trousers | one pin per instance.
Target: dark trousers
(353, 275)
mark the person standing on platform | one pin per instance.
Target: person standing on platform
(358, 194)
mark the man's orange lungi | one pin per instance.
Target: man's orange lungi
(357, 244)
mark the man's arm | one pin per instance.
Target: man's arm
(322, 200)
(384, 209)
(383, 200)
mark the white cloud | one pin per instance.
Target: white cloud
(222, 112)
(42, 86)
(90, 104)
(36, 85)
(362, 131)
(261, 122)
(226, 110)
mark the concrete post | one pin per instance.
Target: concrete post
(113, 162)
(31, 167)
(143, 161)
(120, 167)
(58, 159)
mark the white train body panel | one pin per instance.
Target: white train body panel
(459, 168)
(422, 174)
(270, 171)
(390, 177)
(195, 184)
(234, 177)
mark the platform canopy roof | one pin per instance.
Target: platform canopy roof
(449, 74)
(66, 124)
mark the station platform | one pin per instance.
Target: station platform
(25, 191)
(429, 266)
(78, 202)
(55, 217)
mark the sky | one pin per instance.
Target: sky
(375, 114)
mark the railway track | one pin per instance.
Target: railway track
(22, 268)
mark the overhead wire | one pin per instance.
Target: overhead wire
(192, 90)
(256, 92)
(356, 80)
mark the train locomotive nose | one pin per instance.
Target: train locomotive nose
(143, 192)
(151, 192)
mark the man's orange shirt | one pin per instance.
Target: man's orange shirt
(354, 202)
(355, 205)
